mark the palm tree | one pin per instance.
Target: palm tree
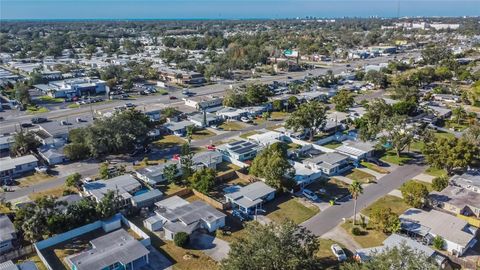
(355, 190)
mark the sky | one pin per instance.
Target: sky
(231, 9)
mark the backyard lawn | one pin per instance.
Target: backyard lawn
(202, 134)
(33, 257)
(360, 176)
(435, 172)
(427, 185)
(279, 115)
(391, 157)
(374, 167)
(332, 144)
(395, 203)
(232, 126)
(325, 255)
(334, 189)
(226, 167)
(368, 237)
(185, 259)
(169, 141)
(287, 207)
(444, 134)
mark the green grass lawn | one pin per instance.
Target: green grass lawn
(36, 109)
(435, 172)
(73, 106)
(289, 208)
(33, 257)
(360, 176)
(232, 126)
(169, 141)
(368, 238)
(293, 146)
(50, 99)
(279, 115)
(325, 255)
(417, 146)
(248, 134)
(395, 203)
(440, 134)
(202, 134)
(34, 179)
(374, 167)
(391, 157)
(332, 144)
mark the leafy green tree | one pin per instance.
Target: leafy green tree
(104, 171)
(266, 115)
(108, 205)
(414, 193)
(449, 153)
(376, 77)
(24, 143)
(355, 189)
(170, 173)
(459, 114)
(22, 94)
(271, 164)
(277, 105)
(76, 151)
(203, 180)
(384, 219)
(186, 161)
(371, 123)
(434, 54)
(472, 135)
(398, 133)
(73, 180)
(292, 103)
(310, 116)
(274, 246)
(343, 100)
(440, 183)
(397, 258)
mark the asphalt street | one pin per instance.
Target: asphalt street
(332, 216)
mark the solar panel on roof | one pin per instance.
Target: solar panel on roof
(236, 147)
(236, 143)
(244, 150)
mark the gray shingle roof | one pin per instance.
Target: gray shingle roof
(7, 230)
(251, 194)
(117, 246)
(124, 184)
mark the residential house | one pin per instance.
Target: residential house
(447, 98)
(176, 215)
(125, 185)
(6, 142)
(208, 159)
(457, 200)
(147, 198)
(7, 234)
(249, 198)
(469, 180)
(115, 250)
(204, 119)
(227, 113)
(304, 175)
(178, 128)
(201, 103)
(153, 175)
(267, 138)
(426, 225)
(328, 163)
(15, 167)
(396, 241)
(356, 150)
(52, 155)
(238, 150)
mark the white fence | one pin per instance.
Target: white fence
(39, 246)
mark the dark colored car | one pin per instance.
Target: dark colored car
(38, 120)
(173, 97)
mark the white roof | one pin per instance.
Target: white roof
(9, 163)
(269, 137)
(445, 225)
(172, 202)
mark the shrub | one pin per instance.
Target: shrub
(181, 239)
(438, 242)
(440, 183)
(356, 231)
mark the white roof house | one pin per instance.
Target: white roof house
(125, 185)
(457, 233)
(357, 150)
(249, 197)
(267, 138)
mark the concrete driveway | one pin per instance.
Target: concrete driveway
(215, 248)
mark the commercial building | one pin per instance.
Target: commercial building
(73, 87)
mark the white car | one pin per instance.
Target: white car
(310, 194)
(338, 252)
(245, 119)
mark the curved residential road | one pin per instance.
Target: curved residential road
(332, 216)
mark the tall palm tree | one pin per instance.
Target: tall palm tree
(355, 190)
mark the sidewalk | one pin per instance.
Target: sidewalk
(372, 172)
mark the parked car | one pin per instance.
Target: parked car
(26, 125)
(338, 252)
(245, 119)
(310, 194)
(173, 97)
(130, 105)
(38, 120)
